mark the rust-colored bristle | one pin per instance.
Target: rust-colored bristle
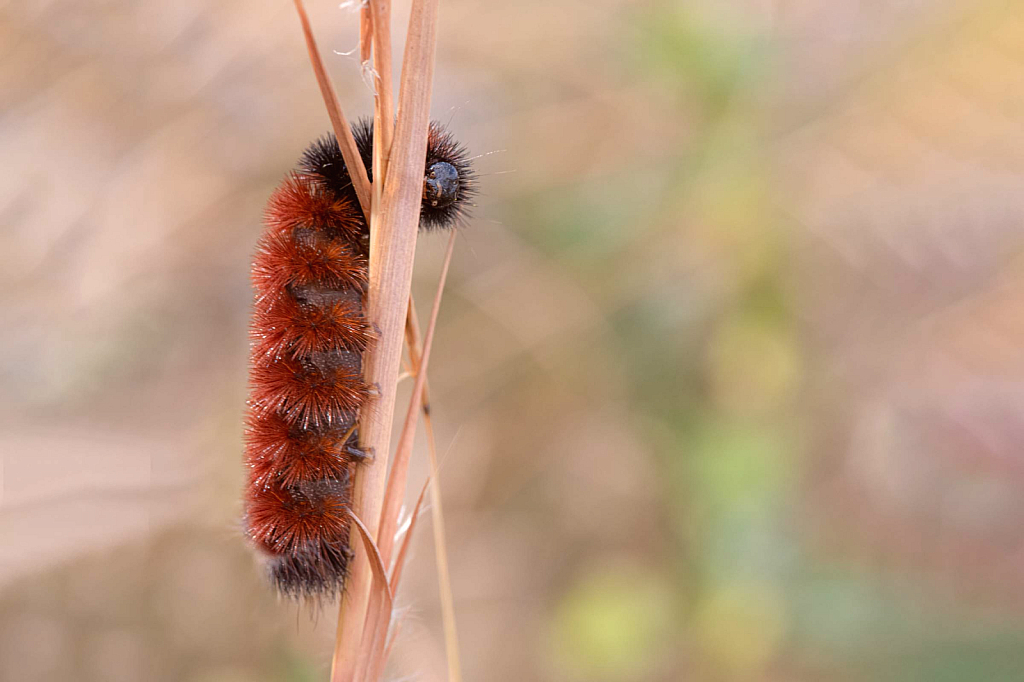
(290, 518)
(278, 451)
(306, 258)
(301, 201)
(306, 393)
(284, 323)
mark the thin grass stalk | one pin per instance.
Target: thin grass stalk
(342, 129)
(378, 28)
(382, 644)
(396, 572)
(394, 636)
(403, 452)
(392, 247)
(444, 580)
(444, 583)
(378, 616)
(365, 34)
(412, 345)
(383, 585)
(379, 571)
(380, 13)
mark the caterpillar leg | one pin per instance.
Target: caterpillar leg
(360, 454)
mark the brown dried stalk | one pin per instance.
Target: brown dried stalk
(365, 34)
(379, 571)
(379, 617)
(396, 573)
(380, 20)
(382, 646)
(399, 470)
(342, 130)
(393, 226)
(444, 582)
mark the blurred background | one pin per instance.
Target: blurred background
(728, 379)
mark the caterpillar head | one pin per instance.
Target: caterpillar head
(441, 187)
(448, 181)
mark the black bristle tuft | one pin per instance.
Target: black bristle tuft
(315, 575)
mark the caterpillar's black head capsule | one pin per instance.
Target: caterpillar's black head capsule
(441, 186)
(448, 181)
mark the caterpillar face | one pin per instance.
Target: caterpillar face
(441, 188)
(448, 183)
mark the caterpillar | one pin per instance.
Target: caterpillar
(308, 335)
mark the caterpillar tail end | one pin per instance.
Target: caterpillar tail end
(312, 576)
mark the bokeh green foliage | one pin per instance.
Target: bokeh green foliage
(715, 368)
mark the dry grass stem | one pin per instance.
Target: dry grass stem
(396, 572)
(379, 572)
(451, 635)
(394, 635)
(412, 344)
(403, 452)
(377, 618)
(342, 129)
(365, 34)
(444, 581)
(393, 226)
(382, 645)
(380, 13)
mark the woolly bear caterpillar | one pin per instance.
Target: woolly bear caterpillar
(308, 335)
